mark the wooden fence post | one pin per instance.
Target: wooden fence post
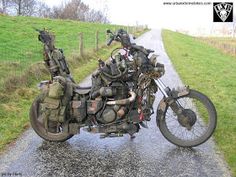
(229, 48)
(232, 50)
(127, 29)
(81, 45)
(96, 41)
(106, 38)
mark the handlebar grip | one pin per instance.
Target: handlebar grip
(150, 51)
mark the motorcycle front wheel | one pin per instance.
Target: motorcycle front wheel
(196, 123)
(55, 132)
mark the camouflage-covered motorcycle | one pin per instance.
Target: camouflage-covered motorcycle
(120, 100)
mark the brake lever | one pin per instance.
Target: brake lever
(150, 51)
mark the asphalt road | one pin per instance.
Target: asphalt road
(149, 154)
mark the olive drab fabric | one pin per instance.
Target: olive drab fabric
(55, 90)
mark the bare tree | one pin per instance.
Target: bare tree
(4, 4)
(234, 26)
(24, 7)
(77, 10)
(43, 10)
(74, 10)
(96, 16)
(56, 12)
(225, 30)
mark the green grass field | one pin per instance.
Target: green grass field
(212, 72)
(19, 38)
(19, 46)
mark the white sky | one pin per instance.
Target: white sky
(155, 14)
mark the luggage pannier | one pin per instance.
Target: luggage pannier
(52, 107)
(56, 90)
(52, 110)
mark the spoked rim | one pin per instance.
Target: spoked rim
(197, 127)
(200, 130)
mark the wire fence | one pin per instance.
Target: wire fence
(227, 46)
(16, 56)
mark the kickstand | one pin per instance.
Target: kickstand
(132, 136)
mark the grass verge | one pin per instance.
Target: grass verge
(212, 72)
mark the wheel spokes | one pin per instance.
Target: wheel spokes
(198, 126)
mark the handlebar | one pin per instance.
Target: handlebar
(44, 36)
(112, 37)
(123, 37)
(150, 51)
(110, 41)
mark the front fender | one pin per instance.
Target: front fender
(173, 95)
(179, 92)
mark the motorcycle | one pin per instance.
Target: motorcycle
(120, 100)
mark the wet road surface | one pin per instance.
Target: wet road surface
(149, 154)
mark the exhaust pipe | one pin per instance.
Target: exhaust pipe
(123, 101)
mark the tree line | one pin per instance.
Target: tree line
(73, 9)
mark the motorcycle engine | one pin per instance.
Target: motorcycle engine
(108, 115)
(113, 112)
(108, 84)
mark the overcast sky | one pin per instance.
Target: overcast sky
(155, 14)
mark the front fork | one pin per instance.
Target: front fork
(164, 89)
(174, 93)
(170, 97)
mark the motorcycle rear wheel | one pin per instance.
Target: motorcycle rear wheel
(53, 133)
(202, 118)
